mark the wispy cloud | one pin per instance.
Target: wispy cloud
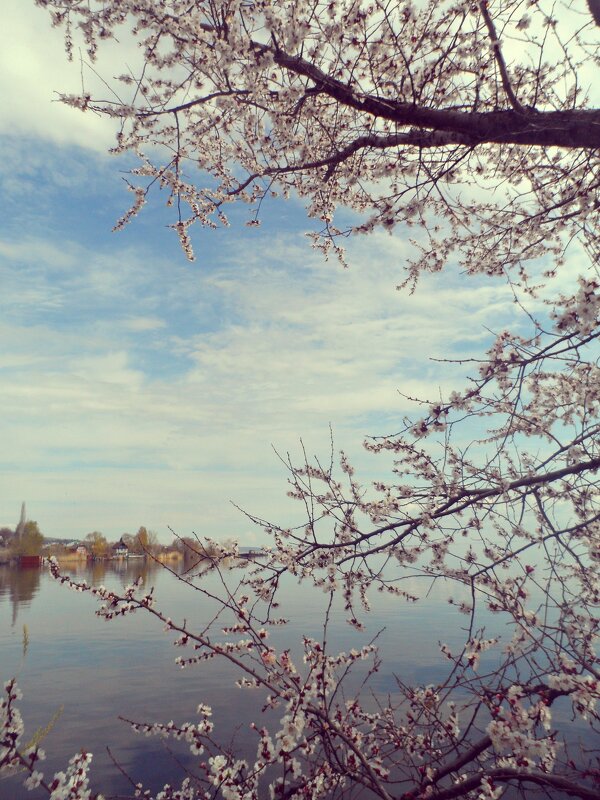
(261, 347)
(35, 69)
(143, 324)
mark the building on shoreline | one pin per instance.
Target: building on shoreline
(120, 549)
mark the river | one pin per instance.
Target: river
(85, 672)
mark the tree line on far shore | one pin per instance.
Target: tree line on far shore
(30, 541)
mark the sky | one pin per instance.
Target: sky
(141, 389)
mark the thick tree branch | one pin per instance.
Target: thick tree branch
(545, 780)
(572, 128)
(594, 6)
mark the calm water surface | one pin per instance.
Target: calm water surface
(96, 671)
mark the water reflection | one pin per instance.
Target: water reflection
(101, 670)
(102, 571)
(18, 586)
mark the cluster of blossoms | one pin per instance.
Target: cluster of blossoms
(584, 691)
(475, 647)
(193, 734)
(513, 732)
(72, 784)
(580, 314)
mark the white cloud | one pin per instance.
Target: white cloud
(33, 69)
(277, 346)
(142, 324)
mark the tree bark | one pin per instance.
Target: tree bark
(574, 128)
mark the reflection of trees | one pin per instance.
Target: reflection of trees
(18, 585)
(97, 571)
(130, 570)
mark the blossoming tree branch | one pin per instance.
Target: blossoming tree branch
(474, 127)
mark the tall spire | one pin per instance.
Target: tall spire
(21, 526)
